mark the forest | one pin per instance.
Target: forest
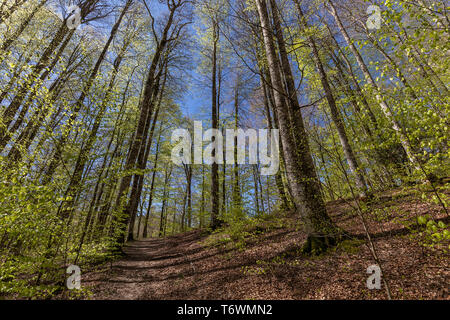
(353, 96)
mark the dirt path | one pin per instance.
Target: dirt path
(148, 270)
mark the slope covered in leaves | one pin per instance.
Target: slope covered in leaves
(260, 259)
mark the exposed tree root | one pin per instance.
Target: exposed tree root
(318, 244)
(218, 224)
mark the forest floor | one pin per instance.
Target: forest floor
(268, 264)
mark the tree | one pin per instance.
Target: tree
(146, 106)
(299, 165)
(335, 114)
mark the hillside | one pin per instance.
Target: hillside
(267, 265)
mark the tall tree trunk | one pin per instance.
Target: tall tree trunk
(349, 69)
(30, 131)
(54, 163)
(202, 202)
(163, 217)
(237, 197)
(334, 111)
(183, 214)
(189, 204)
(146, 108)
(74, 184)
(256, 190)
(215, 200)
(6, 13)
(278, 178)
(152, 185)
(401, 133)
(10, 40)
(142, 160)
(19, 68)
(14, 106)
(301, 174)
(43, 63)
(188, 200)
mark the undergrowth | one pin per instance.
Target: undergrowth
(238, 233)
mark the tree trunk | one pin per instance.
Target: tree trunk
(278, 178)
(383, 104)
(301, 173)
(152, 185)
(163, 218)
(43, 63)
(144, 153)
(10, 40)
(335, 115)
(237, 197)
(215, 200)
(86, 150)
(6, 14)
(80, 101)
(146, 108)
